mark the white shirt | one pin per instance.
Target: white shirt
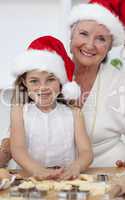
(104, 112)
(50, 136)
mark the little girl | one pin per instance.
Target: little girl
(48, 139)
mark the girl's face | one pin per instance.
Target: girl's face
(43, 87)
(90, 43)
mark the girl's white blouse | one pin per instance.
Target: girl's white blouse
(50, 136)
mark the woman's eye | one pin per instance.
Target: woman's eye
(84, 33)
(101, 38)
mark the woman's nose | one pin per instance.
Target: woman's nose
(90, 43)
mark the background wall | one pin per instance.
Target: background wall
(20, 22)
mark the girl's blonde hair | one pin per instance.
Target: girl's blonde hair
(20, 94)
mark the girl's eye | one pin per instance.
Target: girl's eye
(51, 79)
(33, 81)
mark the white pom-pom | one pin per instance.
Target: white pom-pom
(71, 90)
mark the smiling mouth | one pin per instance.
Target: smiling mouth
(44, 94)
(88, 54)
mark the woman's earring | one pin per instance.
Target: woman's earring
(70, 47)
(70, 50)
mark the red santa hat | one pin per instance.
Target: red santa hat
(107, 12)
(48, 54)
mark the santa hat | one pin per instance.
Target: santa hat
(107, 12)
(48, 54)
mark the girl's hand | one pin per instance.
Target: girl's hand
(71, 172)
(44, 174)
(120, 163)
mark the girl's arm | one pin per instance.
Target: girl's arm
(19, 148)
(82, 140)
(83, 147)
(18, 140)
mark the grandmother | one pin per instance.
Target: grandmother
(95, 29)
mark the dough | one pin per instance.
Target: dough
(4, 173)
(26, 185)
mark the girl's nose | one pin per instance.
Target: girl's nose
(43, 85)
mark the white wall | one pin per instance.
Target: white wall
(22, 21)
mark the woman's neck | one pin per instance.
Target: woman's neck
(86, 76)
(87, 70)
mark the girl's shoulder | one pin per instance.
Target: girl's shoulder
(29, 108)
(64, 108)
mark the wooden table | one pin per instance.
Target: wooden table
(112, 170)
(109, 170)
(53, 196)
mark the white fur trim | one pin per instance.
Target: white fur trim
(71, 90)
(41, 60)
(101, 15)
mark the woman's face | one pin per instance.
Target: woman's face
(90, 43)
(43, 87)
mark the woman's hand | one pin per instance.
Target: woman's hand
(5, 153)
(44, 173)
(118, 188)
(74, 103)
(71, 172)
(5, 145)
(120, 163)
